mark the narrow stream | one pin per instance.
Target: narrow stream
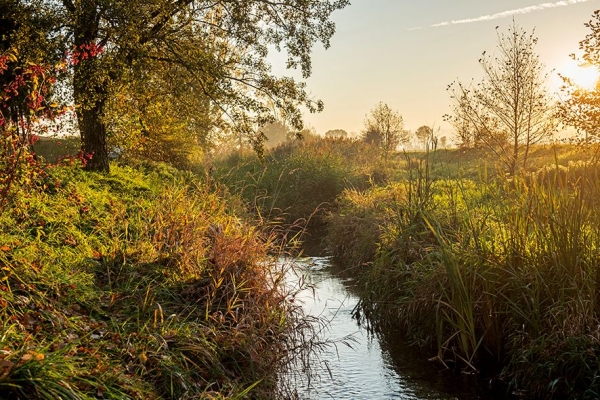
(360, 365)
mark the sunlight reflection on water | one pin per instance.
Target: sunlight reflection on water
(356, 366)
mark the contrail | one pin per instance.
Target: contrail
(508, 13)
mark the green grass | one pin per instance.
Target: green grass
(144, 283)
(51, 149)
(497, 274)
(299, 181)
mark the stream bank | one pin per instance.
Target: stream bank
(359, 364)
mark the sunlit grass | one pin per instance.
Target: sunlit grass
(499, 272)
(143, 283)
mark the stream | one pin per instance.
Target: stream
(361, 365)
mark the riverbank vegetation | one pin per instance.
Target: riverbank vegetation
(297, 182)
(140, 278)
(144, 265)
(496, 274)
(500, 273)
(141, 284)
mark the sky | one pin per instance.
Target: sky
(406, 52)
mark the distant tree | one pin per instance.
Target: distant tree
(510, 109)
(384, 128)
(443, 141)
(581, 107)
(336, 133)
(423, 134)
(276, 133)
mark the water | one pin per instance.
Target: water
(360, 365)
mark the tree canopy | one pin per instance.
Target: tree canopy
(423, 134)
(384, 127)
(581, 107)
(216, 49)
(336, 133)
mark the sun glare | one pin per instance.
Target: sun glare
(585, 77)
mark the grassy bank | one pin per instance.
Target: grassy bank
(496, 274)
(297, 182)
(143, 283)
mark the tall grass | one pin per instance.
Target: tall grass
(299, 181)
(144, 283)
(492, 273)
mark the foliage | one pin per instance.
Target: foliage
(384, 128)
(339, 133)
(276, 133)
(299, 181)
(25, 112)
(157, 112)
(509, 110)
(217, 49)
(423, 134)
(580, 107)
(497, 274)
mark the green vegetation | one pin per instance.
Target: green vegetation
(139, 284)
(53, 150)
(498, 273)
(151, 282)
(298, 181)
(159, 74)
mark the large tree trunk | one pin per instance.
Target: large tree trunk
(90, 80)
(93, 137)
(90, 99)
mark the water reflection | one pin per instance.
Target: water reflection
(357, 365)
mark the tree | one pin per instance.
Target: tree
(384, 128)
(581, 107)
(424, 134)
(159, 113)
(336, 133)
(22, 40)
(443, 141)
(276, 133)
(220, 44)
(510, 109)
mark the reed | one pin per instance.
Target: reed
(495, 272)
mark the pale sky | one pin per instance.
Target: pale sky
(406, 52)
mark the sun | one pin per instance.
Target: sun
(585, 77)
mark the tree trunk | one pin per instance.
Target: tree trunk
(93, 137)
(90, 99)
(90, 80)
